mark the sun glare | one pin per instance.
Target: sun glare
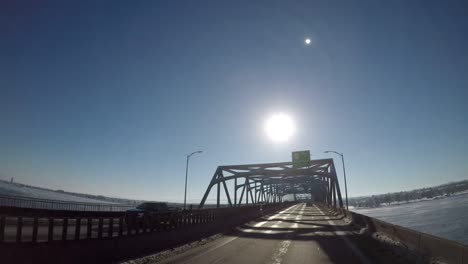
(279, 127)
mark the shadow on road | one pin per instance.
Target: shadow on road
(340, 241)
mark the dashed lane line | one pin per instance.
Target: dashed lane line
(277, 257)
(229, 240)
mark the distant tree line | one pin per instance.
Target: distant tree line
(403, 197)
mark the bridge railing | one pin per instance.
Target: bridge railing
(24, 202)
(111, 239)
(37, 225)
(21, 225)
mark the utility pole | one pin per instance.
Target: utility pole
(186, 176)
(344, 173)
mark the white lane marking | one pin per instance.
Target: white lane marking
(298, 217)
(278, 223)
(277, 257)
(350, 244)
(259, 224)
(283, 249)
(229, 240)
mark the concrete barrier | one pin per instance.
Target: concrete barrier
(410, 238)
(381, 226)
(420, 243)
(465, 255)
(445, 250)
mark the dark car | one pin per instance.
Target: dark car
(145, 211)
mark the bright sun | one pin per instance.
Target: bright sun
(279, 127)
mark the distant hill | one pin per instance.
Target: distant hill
(435, 192)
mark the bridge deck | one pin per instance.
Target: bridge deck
(299, 234)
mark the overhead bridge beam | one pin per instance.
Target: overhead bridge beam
(269, 183)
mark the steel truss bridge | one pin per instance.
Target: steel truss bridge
(270, 183)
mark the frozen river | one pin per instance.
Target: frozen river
(447, 218)
(15, 189)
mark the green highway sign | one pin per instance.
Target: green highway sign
(301, 159)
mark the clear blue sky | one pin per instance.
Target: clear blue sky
(107, 97)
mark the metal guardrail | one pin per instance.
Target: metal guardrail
(25, 202)
(39, 225)
(18, 227)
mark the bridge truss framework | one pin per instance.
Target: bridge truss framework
(269, 183)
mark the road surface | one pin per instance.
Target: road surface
(298, 234)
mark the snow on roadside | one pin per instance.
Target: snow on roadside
(16, 189)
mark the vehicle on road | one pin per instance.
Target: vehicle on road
(145, 212)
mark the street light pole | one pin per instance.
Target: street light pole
(344, 174)
(186, 176)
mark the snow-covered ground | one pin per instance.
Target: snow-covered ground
(16, 189)
(447, 217)
(411, 201)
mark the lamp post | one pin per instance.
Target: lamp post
(186, 175)
(344, 173)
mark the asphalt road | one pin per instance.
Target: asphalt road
(299, 234)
